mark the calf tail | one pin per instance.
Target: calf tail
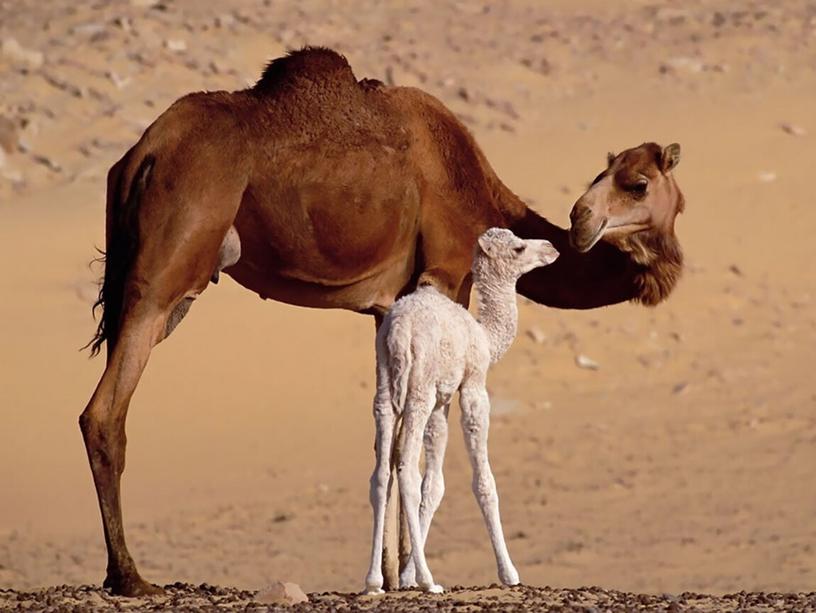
(400, 361)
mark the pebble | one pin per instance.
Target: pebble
(14, 51)
(536, 335)
(8, 135)
(281, 593)
(175, 45)
(766, 176)
(793, 129)
(682, 64)
(582, 361)
(47, 162)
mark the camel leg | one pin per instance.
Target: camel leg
(157, 294)
(415, 418)
(433, 482)
(475, 423)
(380, 482)
(103, 429)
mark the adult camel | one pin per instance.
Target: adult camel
(318, 190)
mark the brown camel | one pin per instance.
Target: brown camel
(318, 190)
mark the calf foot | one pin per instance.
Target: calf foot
(408, 577)
(509, 576)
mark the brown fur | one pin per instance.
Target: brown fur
(344, 194)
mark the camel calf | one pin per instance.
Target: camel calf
(429, 347)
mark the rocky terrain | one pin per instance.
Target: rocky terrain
(186, 597)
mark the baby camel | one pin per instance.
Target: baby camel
(429, 347)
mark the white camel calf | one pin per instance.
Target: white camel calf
(429, 347)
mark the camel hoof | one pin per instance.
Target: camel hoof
(373, 591)
(435, 589)
(131, 587)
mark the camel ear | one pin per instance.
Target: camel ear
(670, 157)
(610, 157)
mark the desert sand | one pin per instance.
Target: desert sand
(683, 463)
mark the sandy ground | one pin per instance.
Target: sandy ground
(684, 463)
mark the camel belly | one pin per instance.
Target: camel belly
(332, 223)
(373, 293)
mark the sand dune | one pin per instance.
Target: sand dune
(683, 463)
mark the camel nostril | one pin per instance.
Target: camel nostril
(579, 213)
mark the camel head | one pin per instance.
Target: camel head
(500, 251)
(631, 202)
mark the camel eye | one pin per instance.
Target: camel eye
(639, 188)
(519, 250)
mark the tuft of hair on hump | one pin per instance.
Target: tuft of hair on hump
(309, 64)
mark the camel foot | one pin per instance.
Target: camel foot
(131, 586)
(373, 591)
(434, 589)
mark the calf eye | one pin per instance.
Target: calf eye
(520, 249)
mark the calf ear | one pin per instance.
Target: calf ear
(610, 157)
(670, 157)
(487, 245)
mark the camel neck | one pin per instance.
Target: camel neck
(498, 310)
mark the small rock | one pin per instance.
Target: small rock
(88, 29)
(679, 388)
(8, 135)
(119, 82)
(536, 335)
(175, 45)
(225, 20)
(793, 129)
(734, 269)
(685, 65)
(674, 16)
(766, 176)
(12, 175)
(12, 50)
(46, 161)
(582, 361)
(281, 593)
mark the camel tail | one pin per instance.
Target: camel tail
(122, 244)
(400, 362)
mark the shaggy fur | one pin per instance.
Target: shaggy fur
(428, 348)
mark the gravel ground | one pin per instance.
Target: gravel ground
(204, 597)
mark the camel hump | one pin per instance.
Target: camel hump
(315, 64)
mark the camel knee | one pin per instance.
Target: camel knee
(104, 440)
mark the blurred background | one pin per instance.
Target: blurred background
(656, 450)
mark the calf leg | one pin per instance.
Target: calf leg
(433, 482)
(380, 484)
(415, 418)
(475, 423)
